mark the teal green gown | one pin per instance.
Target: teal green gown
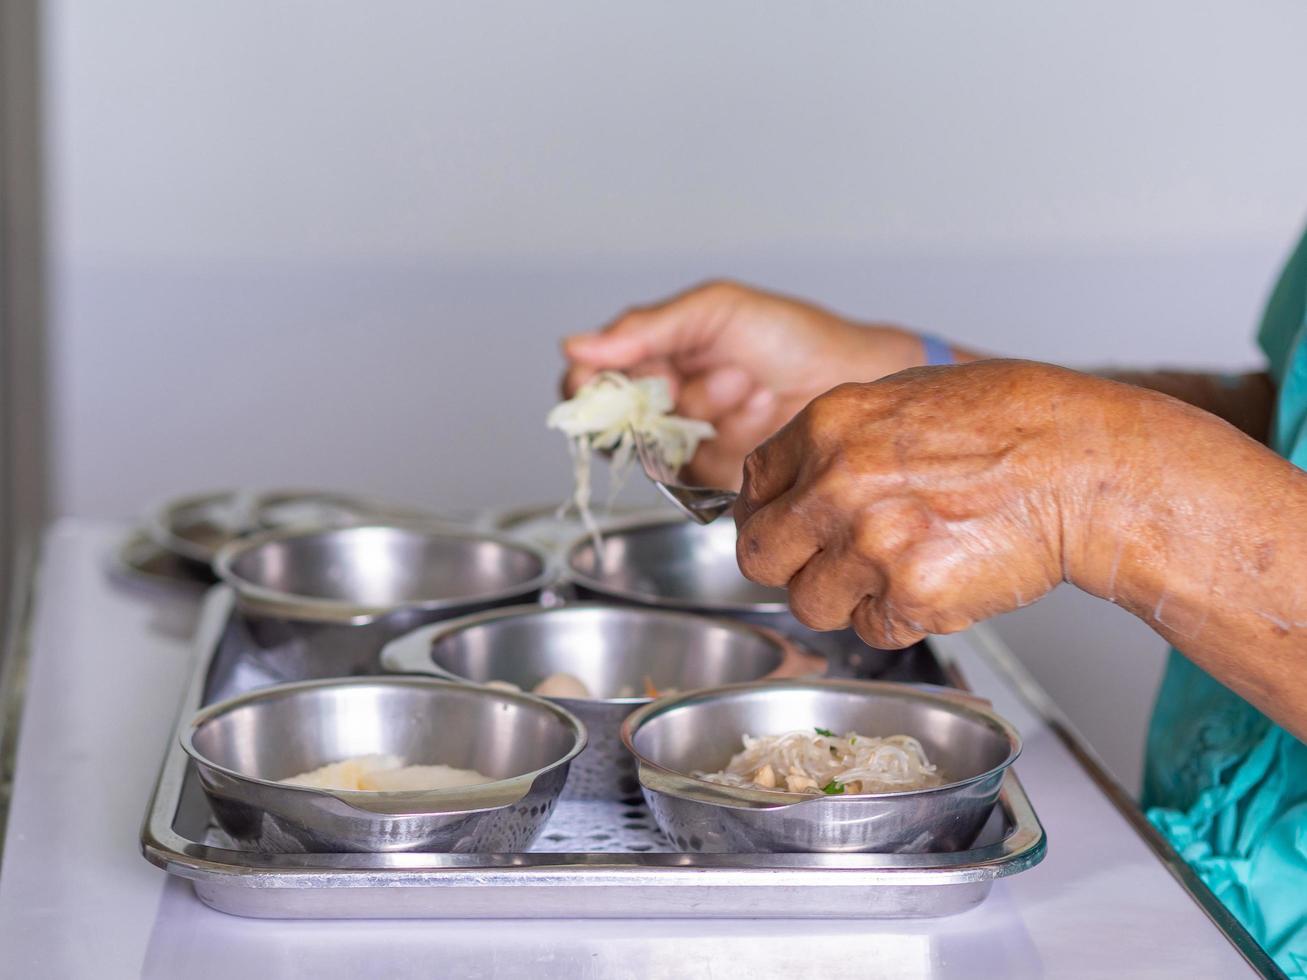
(1226, 786)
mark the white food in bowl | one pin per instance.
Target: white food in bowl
(817, 761)
(385, 774)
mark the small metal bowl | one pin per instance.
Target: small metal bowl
(242, 746)
(611, 649)
(544, 525)
(198, 526)
(327, 599)
(139, 559)
(678, 564)
(699, 732)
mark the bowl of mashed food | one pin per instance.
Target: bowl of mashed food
(383, 764)
(600, 662)
(821, 765)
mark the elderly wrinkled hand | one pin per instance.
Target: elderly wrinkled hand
(924, 502)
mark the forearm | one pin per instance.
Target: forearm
(1243, 400)
(1202, 533)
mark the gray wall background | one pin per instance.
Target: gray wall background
(22, 383)
(335, 244)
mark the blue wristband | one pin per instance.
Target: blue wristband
(937, 351)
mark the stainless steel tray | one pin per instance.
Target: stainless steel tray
(594, 860)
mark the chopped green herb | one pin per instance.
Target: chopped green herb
(833, 788)
(824, 731)
(853, 740)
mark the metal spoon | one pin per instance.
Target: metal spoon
(701, 504)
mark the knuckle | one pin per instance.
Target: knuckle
(757, 560)
(835, 478)
(820, 417)
(753, 477)
(867, 622)
(746, 502)
(867, 536)
(719, 288)
(884, 626)
(752, 467)
(812, 611)
(922, 587)
(826, 417)
(751, 556)
(805, 608)
(943, 621)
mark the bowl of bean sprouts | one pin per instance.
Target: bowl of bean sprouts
(821, 766)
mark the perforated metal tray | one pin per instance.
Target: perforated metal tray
(594, 860)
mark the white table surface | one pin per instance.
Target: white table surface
(107, 669)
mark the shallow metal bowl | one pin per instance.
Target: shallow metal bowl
(700, 731)
(327, 599)
(242, 746)
(678, 564)
(613, 650)
(196, 527)
(544, 525)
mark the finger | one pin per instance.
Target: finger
(776, 542)
(678, 327)
(578, 374)
(877, 622)
(755, 420)
(574, 377)
(769, 471)
(720, 460)
(715, 394)
(825, 591)
(659, 367)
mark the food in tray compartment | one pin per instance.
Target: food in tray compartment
(562, 685)
(346, 774)
(385, 774)
(407, 778)
(554, 686)
(607, 413)
(818, 761)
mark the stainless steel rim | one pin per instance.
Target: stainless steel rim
(648, 599)
(159, 523)
(411, 651)
(135, 552)
(513, 517)
(375, 802)
(289, 605)
(681, 784)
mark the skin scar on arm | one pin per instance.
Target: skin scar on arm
(1115, 567)
(1181, 618)
(1275, 620)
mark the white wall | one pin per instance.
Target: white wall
(335, 243)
